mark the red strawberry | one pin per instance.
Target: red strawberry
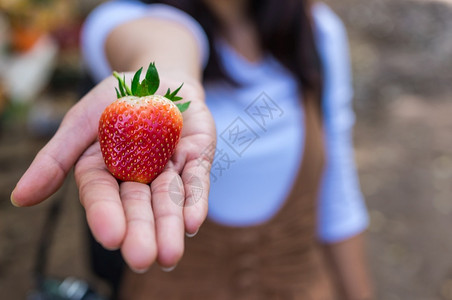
(138, 133)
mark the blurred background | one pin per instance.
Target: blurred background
(401, 54)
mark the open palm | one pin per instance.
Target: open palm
(147, 222)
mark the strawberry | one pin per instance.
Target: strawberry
(139, 132)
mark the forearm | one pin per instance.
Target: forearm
(348, 260)
(172, 47)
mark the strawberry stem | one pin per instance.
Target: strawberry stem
(147, 87)
(124, 89)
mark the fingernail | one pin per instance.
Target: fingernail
(190, 235)
(168, 269)
(13, 202)
(140, 271)
(114, 248)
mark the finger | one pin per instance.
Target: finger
(99, 195)
(196, 185)
(44, 176)
(194, 159)
(168, 218)
(49, 168)
(77, 131)
(139, 247)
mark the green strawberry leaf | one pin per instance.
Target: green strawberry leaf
(147, 87)
(136, 81)
(120, 84)
(183, 106)
(168, 94)
(126, 87)
(172, 95)
(142, 89)
(152, 79)
(124, 90)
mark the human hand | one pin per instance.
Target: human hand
(146, 222)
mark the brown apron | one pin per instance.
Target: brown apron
(280, 259)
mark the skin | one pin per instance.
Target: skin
(348, 263)
(141, 219)
(239, 32)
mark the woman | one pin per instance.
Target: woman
(274, 75)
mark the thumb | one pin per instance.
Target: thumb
(75, 134)
(51, 165)
(43, 178)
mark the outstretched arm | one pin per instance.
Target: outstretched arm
(144, 221)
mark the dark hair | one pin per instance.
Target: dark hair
(286, 31)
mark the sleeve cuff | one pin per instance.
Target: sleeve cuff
(345, 229)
